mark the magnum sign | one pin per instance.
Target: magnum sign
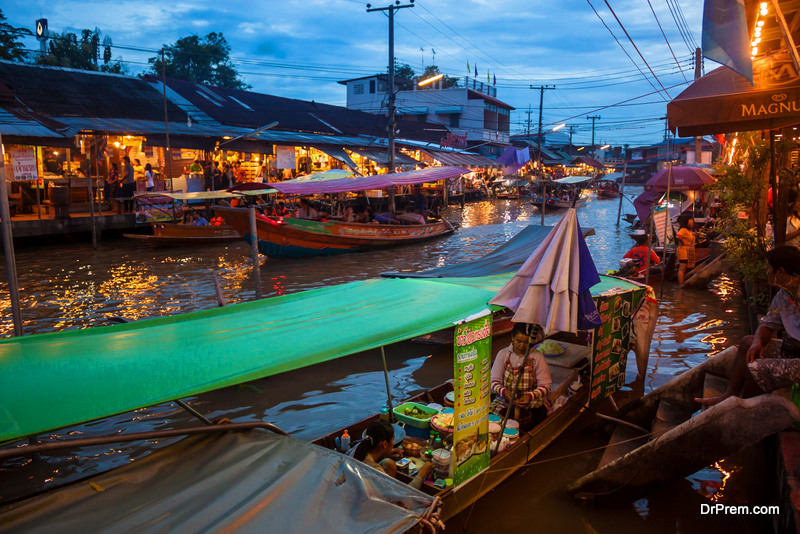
(723, 101)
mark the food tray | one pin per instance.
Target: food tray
(561, 351)
(399, 412)
(440, 429)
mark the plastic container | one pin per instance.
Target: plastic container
(494, 418)
(343, 442)
(494, 431)
(399, 412)
(511, 423)
(512, 434)
(449, 398)
(441, 462)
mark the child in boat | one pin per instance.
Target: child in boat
(640, 251)
(376, 448)
(534, 384)
(762, 363)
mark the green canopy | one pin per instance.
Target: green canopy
(64, 378)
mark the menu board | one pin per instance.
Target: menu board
(611, 343)
(473, 367)
(23, 163)
(664, 230)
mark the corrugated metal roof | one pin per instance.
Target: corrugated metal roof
(11, 124)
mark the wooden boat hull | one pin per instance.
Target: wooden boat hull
(698, 442)
(553, 203)
(605, 194)
(286, 237)
(168, 234)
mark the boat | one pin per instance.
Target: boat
(607, 189)
(659, 439)
(555, 202)
(166, 234)
(508, 461)
(288, 237)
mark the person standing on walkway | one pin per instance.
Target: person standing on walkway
(128, 184)
(685, 251)
(149, 177)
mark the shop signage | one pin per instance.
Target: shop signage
(453, 141)
(473, 366)
(611, 343)
(285, 157)
(23, 162)
(664, 231)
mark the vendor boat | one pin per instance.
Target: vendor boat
(287, 237)
(168, 234)
(607, 189)
(658, 439)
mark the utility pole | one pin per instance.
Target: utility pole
(571, 131)
(593, 118)
(664, 118)
(529, 122)
(698, 141)
(541, 89)
(391, 122)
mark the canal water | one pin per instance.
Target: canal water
(71, 286)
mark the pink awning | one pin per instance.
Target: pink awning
(381, 181)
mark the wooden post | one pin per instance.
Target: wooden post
(254, 250)
(8, 246)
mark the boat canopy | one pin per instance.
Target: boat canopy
(362, 183)
(244, 481)
(573, 179)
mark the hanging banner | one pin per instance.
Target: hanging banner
(23, 163)
(611, 342)
(664, 230)
(473, 366)
(286, 157)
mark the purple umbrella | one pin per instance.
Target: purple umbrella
(681, 178)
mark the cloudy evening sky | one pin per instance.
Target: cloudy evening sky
(300, 49)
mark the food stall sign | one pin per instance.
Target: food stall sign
(611, 342)
(23, 162)
(472, 366)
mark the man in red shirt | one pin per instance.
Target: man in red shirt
(640, 250)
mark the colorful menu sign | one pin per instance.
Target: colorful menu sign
(664, 231)
(23, 162)
(611, 343)
(473, 367)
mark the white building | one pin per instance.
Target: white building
(471, 111)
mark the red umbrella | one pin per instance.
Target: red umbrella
(682, 179)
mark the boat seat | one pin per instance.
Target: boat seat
(714, 386)
(624, 440)
(670, 414)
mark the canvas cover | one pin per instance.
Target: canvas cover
(244, 482)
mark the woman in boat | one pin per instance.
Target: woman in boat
(640, 251)
(534, 384)
(763, 363)
(376, 449)
(685, 251)
(306, 211)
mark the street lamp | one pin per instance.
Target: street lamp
(430, 80)
(557, 128)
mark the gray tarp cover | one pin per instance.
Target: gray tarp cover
(247, 482)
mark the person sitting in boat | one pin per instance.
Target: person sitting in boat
(640, 251)
(281, 210)
(306, 211)
(411, 216)
(762, 363)
(349, 215)
(376, 449)
(534, 384)
(685, 251)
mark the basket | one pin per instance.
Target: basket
(399, 412)
(410, 446)
(440, 429)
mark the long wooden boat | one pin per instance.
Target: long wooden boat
(508, 461)
(661, 441)
(607, 189)
(166, 234)
(557, 203)
(287, 237)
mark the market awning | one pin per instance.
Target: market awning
(381, 158)
(573, 179)
(445, 110)
(423, 110)
(461, 159)
(337, 153)
(587, 160)
(723, 101)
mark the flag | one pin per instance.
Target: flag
(725, 35)
(494, 80)
(476, 70)
(488, 78)
(468, 69)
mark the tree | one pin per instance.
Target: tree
(404, 71)
(10, 48)
(433, 70)
(65, 50)
(203, 60)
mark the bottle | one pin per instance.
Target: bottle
(434, 436)
(384, 415)
(345, 441)
(437, 443)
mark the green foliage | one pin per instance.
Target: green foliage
(404, 71)
(66, 50)
(433, 70)
(742, 188)
(10, 48)
(203, 60)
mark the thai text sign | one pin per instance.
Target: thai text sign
(664, 231)
(473, 365)
(611, 343)
(23, 161)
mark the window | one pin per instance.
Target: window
(372, 87)
(454, 119)
(358, 89)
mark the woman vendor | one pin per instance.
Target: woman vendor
(376, 448)
(685, 251)
(534, 384)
